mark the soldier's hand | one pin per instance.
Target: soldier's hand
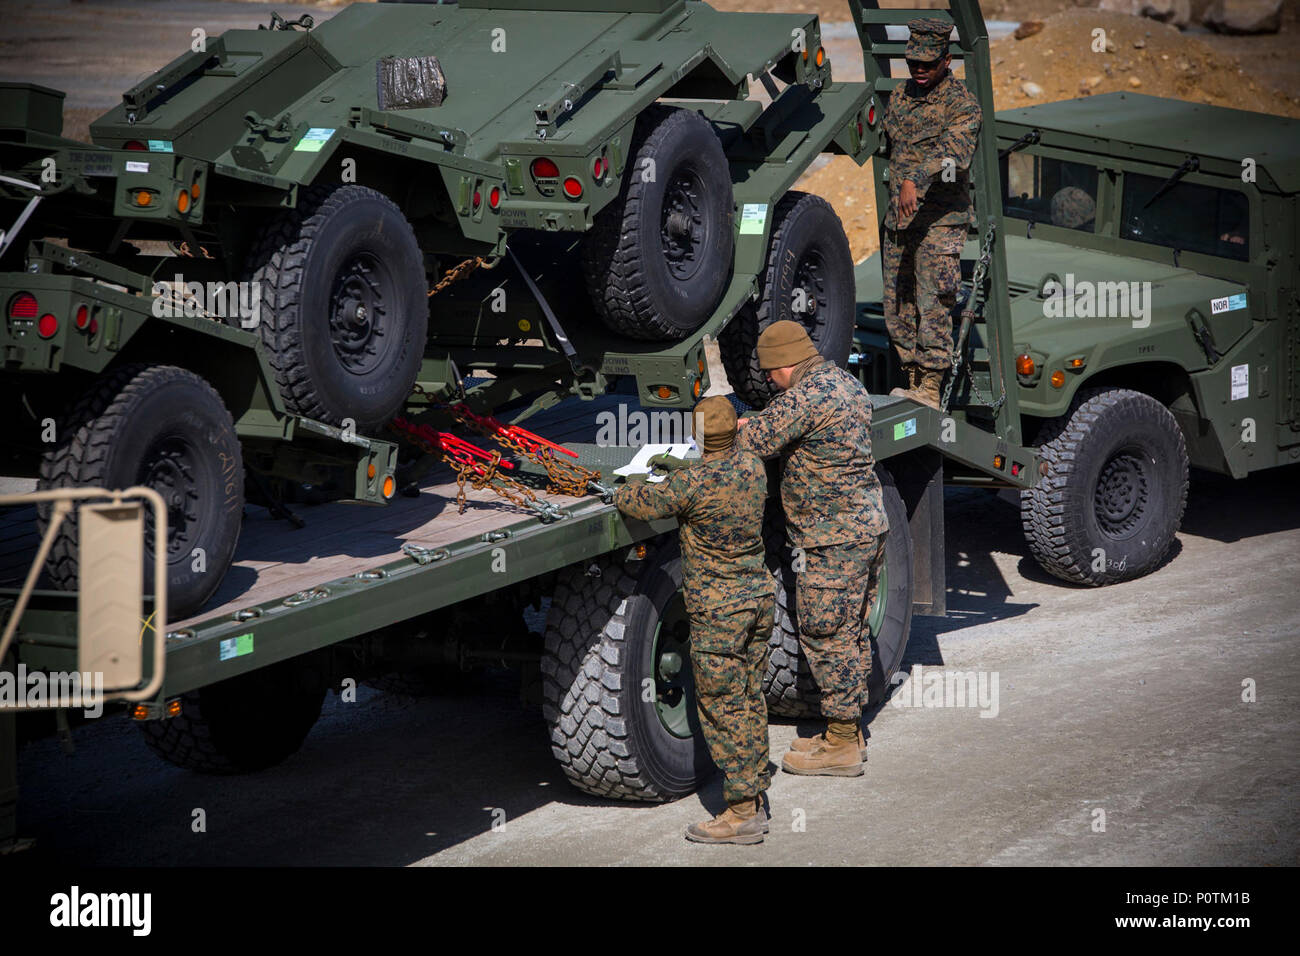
(742, 422)
(907, 198)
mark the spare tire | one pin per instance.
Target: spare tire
(659, 257)
(344, 309)
(808, 279)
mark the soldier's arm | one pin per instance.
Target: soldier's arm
(775, 427)
(648, 500)
(956, 143)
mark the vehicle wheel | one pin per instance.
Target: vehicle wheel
(617, 633)
(789, 685)
(1113, 497)
(809, 279)
(166, 428)
(344, 310)
(659, 257)
(243, 724)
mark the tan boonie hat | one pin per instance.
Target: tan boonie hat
(928, 39)
(713, 421)
(1072, 207)
(782, 344)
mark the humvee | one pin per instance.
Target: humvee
(1151, 254)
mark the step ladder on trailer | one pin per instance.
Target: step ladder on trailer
(982, 389)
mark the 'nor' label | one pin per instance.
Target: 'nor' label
(1229, 303)
(753, 217)
(134, 167)
(905, 429)
(236, 646)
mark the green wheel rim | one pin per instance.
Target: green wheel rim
(876, 617)
(671, 660)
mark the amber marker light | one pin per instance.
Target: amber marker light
(140, 712)
(389, 486)
(1025, 365)
(142, 198)
(1058, 378)
(370, 470)
(183, 201)
(821, 56)
(174, 707)
(664, 392)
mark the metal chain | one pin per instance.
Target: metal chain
(974, 305)
(455, 274)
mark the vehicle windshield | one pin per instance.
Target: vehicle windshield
(1189, 217)
(1053, 191)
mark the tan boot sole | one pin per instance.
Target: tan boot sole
(848, 770)
(747, 839)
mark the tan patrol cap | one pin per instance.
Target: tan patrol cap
(782, 344)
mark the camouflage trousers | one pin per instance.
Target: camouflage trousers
(922, 272)
(834, 595)
(729, 659)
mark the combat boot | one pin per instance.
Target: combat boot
(744, 822)
(913, 373)
(834, 755)
(805, 744)
(926, 391)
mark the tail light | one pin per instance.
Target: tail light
(22, 306)
(871, 115)
(573, 188)
(494, 197)
(136, 145)
(543, 168)
(47, 326)
(478, 199)
(81, 318)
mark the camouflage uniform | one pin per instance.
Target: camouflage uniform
(835, 517)
(729, 600)
(920, 253)
(1073, 208)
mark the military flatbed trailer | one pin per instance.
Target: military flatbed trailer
(416, 588)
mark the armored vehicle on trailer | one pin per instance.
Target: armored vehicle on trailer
(1152, 267)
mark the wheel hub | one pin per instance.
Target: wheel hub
(1122, 493)
(674, 679)
(169, 470)
(357, 320)
(810, 280)
(683, 231)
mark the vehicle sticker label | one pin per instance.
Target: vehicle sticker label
(160, 146)
(313, 140)
(905, 429)
(1229, 303)
(1240, 382)
(753, 217)
(236, 646)
(134, 167)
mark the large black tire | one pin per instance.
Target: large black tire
(600, 652)
(789, 685)
(243, 724)
(166, 428)
(659, 256)
(808, 264)
(1115, 490)
(344, 309)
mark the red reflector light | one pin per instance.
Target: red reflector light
(871, 115)
(543, 168)
(494, 197)
(82, 317)
(572, 188)
(478, 199)
(47, 326)
(23, 306)
(859, 129)
(136, 145)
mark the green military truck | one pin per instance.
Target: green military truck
(235, 683)
(1155, 312)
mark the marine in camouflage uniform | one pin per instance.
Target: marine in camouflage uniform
(730, 598)
(835, 517)
(931, 126)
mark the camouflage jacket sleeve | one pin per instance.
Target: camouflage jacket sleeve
(957, 142)
(774, 428)
(648, 500)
